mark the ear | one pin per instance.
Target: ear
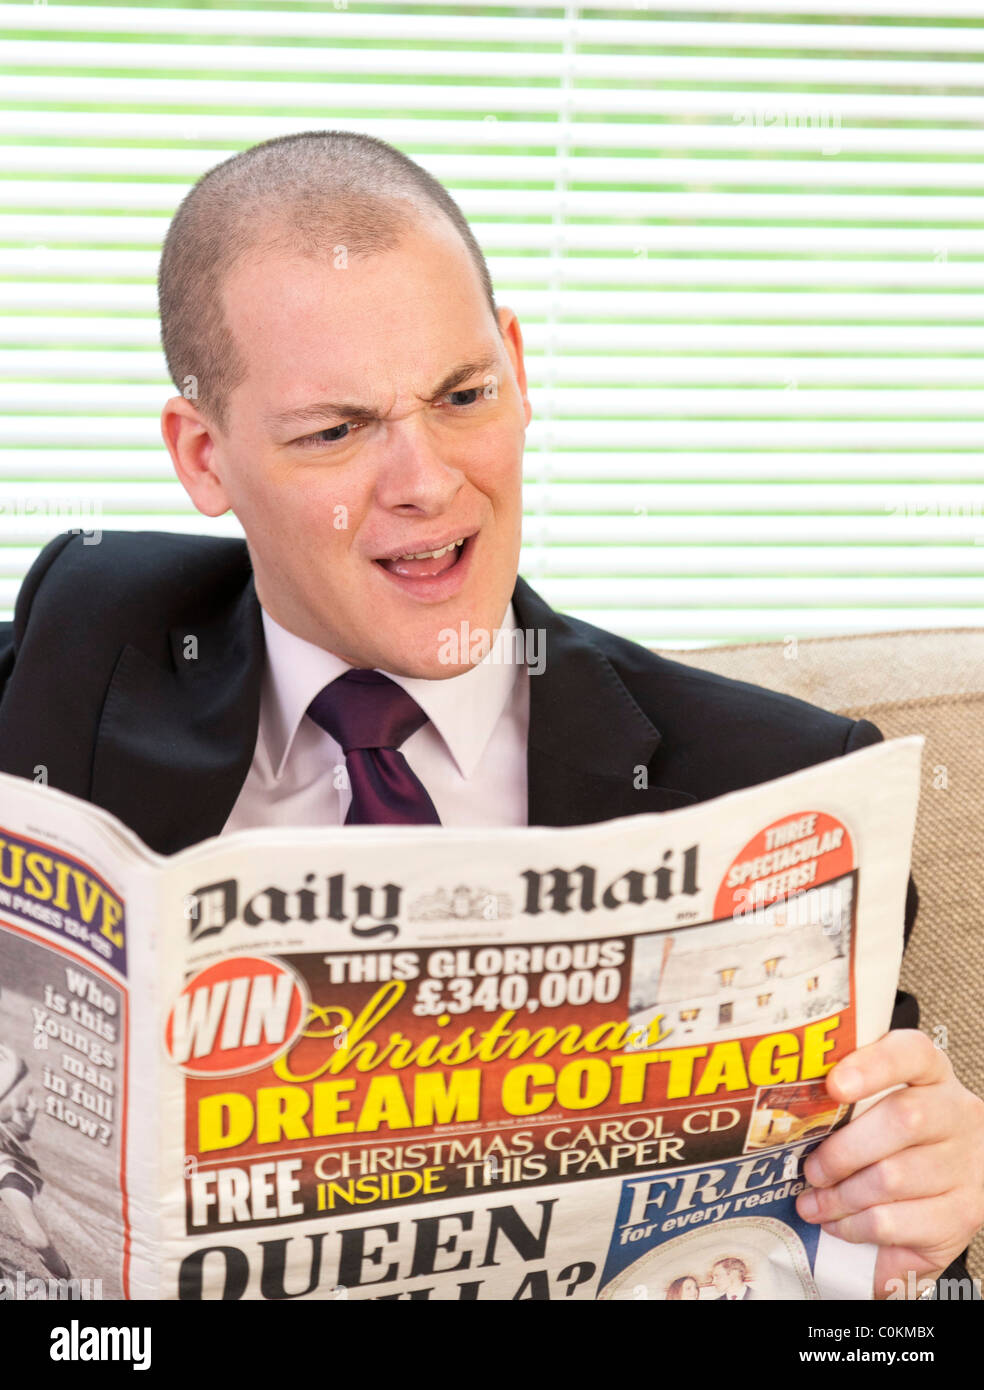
(512, 337)
(191, 442)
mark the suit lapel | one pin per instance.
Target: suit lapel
(589, 742)
(175, 741)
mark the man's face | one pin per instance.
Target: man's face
(721, 1279)
(401, 460)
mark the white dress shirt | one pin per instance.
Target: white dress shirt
(470, 756)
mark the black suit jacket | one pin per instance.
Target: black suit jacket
(96, 686)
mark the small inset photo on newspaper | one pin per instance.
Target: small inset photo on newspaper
(786, 1114)
(777, 966)
(60, 1070)
(752, 1258)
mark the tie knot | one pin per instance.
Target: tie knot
(365, 709)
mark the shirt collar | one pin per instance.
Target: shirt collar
(464, 709)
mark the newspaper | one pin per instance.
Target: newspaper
(436, 1063)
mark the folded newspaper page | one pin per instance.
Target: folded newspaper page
(436, 1063)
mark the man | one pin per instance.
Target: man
(730, 1277)
(351, 391)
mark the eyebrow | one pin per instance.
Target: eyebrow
(320, 410)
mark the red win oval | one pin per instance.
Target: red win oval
(235, 1016)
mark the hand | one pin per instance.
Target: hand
(908, 1174)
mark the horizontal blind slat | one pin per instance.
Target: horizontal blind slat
(966, 502)
(82, 431)
(511, 272)
(344, 25)
(37, 526)
(626, 169)
(734, 103)
(809, 129)
(903, 71)
(543, 371)
(154, 465)
(839, 339)
(779, 401)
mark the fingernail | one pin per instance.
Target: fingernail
(808, 1206)
(849, 1080)
(813, 1171)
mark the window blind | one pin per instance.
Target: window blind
(745, 243)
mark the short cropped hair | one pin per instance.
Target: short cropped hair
(303, 194)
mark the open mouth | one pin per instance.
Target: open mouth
(428, 564)
(435, 576)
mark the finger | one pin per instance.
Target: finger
(903, 1057)
(925, 1171)
(915, 1116)
(926, 1225)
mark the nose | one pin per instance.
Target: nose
(413, 471)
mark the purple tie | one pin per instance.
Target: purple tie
(371, 716)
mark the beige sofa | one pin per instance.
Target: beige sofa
(930, 683)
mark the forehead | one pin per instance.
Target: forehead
(338, 321)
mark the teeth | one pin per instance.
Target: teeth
(432, 554)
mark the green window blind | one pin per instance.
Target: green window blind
(745, 242)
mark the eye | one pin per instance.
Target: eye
(333, 435)
(473, 391)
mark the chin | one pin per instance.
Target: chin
(428, 669)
